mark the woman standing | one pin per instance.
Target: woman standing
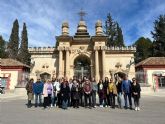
(29, 88)
(94, 91)
(87, 88)
(47, 92)
(101, 93)
(75, 93)
(112, 90)
(105, 85)
(136, 94)
(65, 91)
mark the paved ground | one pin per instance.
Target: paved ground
(13, 111)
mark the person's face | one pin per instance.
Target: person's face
(111, 80)
(38, 80)
(134, 80)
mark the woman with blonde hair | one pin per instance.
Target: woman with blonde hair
(47, 92)
(112, 91)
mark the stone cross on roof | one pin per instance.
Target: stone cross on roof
(81, 14)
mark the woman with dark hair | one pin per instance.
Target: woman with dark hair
(81, 92)
(65, 91)
(106, 99)
(101, 93)
(136, 93)
(94, 91)
(75, 93)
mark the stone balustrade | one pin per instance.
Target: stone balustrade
(41, 49)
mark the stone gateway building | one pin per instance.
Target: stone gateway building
(82, 55)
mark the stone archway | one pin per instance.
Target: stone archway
(82, 66)
(45, 76)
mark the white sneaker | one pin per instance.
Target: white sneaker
(95, 106)
(105, 106)
(51, 106)
(101, 106)
(138, 108)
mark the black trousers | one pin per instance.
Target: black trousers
(112, 100)
(136, 101)
(47, 101)
(59, 102)
(75, 103)
(87, 98)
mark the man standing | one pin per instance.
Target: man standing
(38, 90)
(29, 88)
(126, 90)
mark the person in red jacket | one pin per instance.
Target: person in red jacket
(87, 92)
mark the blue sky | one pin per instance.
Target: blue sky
(44, 17)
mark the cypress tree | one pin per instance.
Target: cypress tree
(159, 37)
(114, 32)
(110, 30)
(23, 54)
(13, 44)
(119, 38)
(3, 53)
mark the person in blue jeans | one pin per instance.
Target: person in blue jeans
(126, 90)
(38, 90)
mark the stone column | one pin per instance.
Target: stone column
(96, 65)
(60, 63)
(67, 64)
(103, 63)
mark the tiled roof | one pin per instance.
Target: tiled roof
(152, 61)
(11, 62)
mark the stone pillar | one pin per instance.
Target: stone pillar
(67, 64)
(60, 63)
(103, 63)
(96, 65)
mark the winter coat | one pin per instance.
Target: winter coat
(29, 87)
(75, 92)
(112, 88)
(126, 86)
(105, 85)
(65, 92)
(38, 87)
(119, 90)
(136, 89)
(87, 88)
(101, 91)
(45, 89)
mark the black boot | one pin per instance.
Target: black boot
(29, 103)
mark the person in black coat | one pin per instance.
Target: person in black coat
(65, 92)
(75, 94)
(136, 94)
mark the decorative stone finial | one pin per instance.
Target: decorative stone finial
(65, 28)
(98, 27)
(82, 27)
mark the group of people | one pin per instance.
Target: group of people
(83, 92)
